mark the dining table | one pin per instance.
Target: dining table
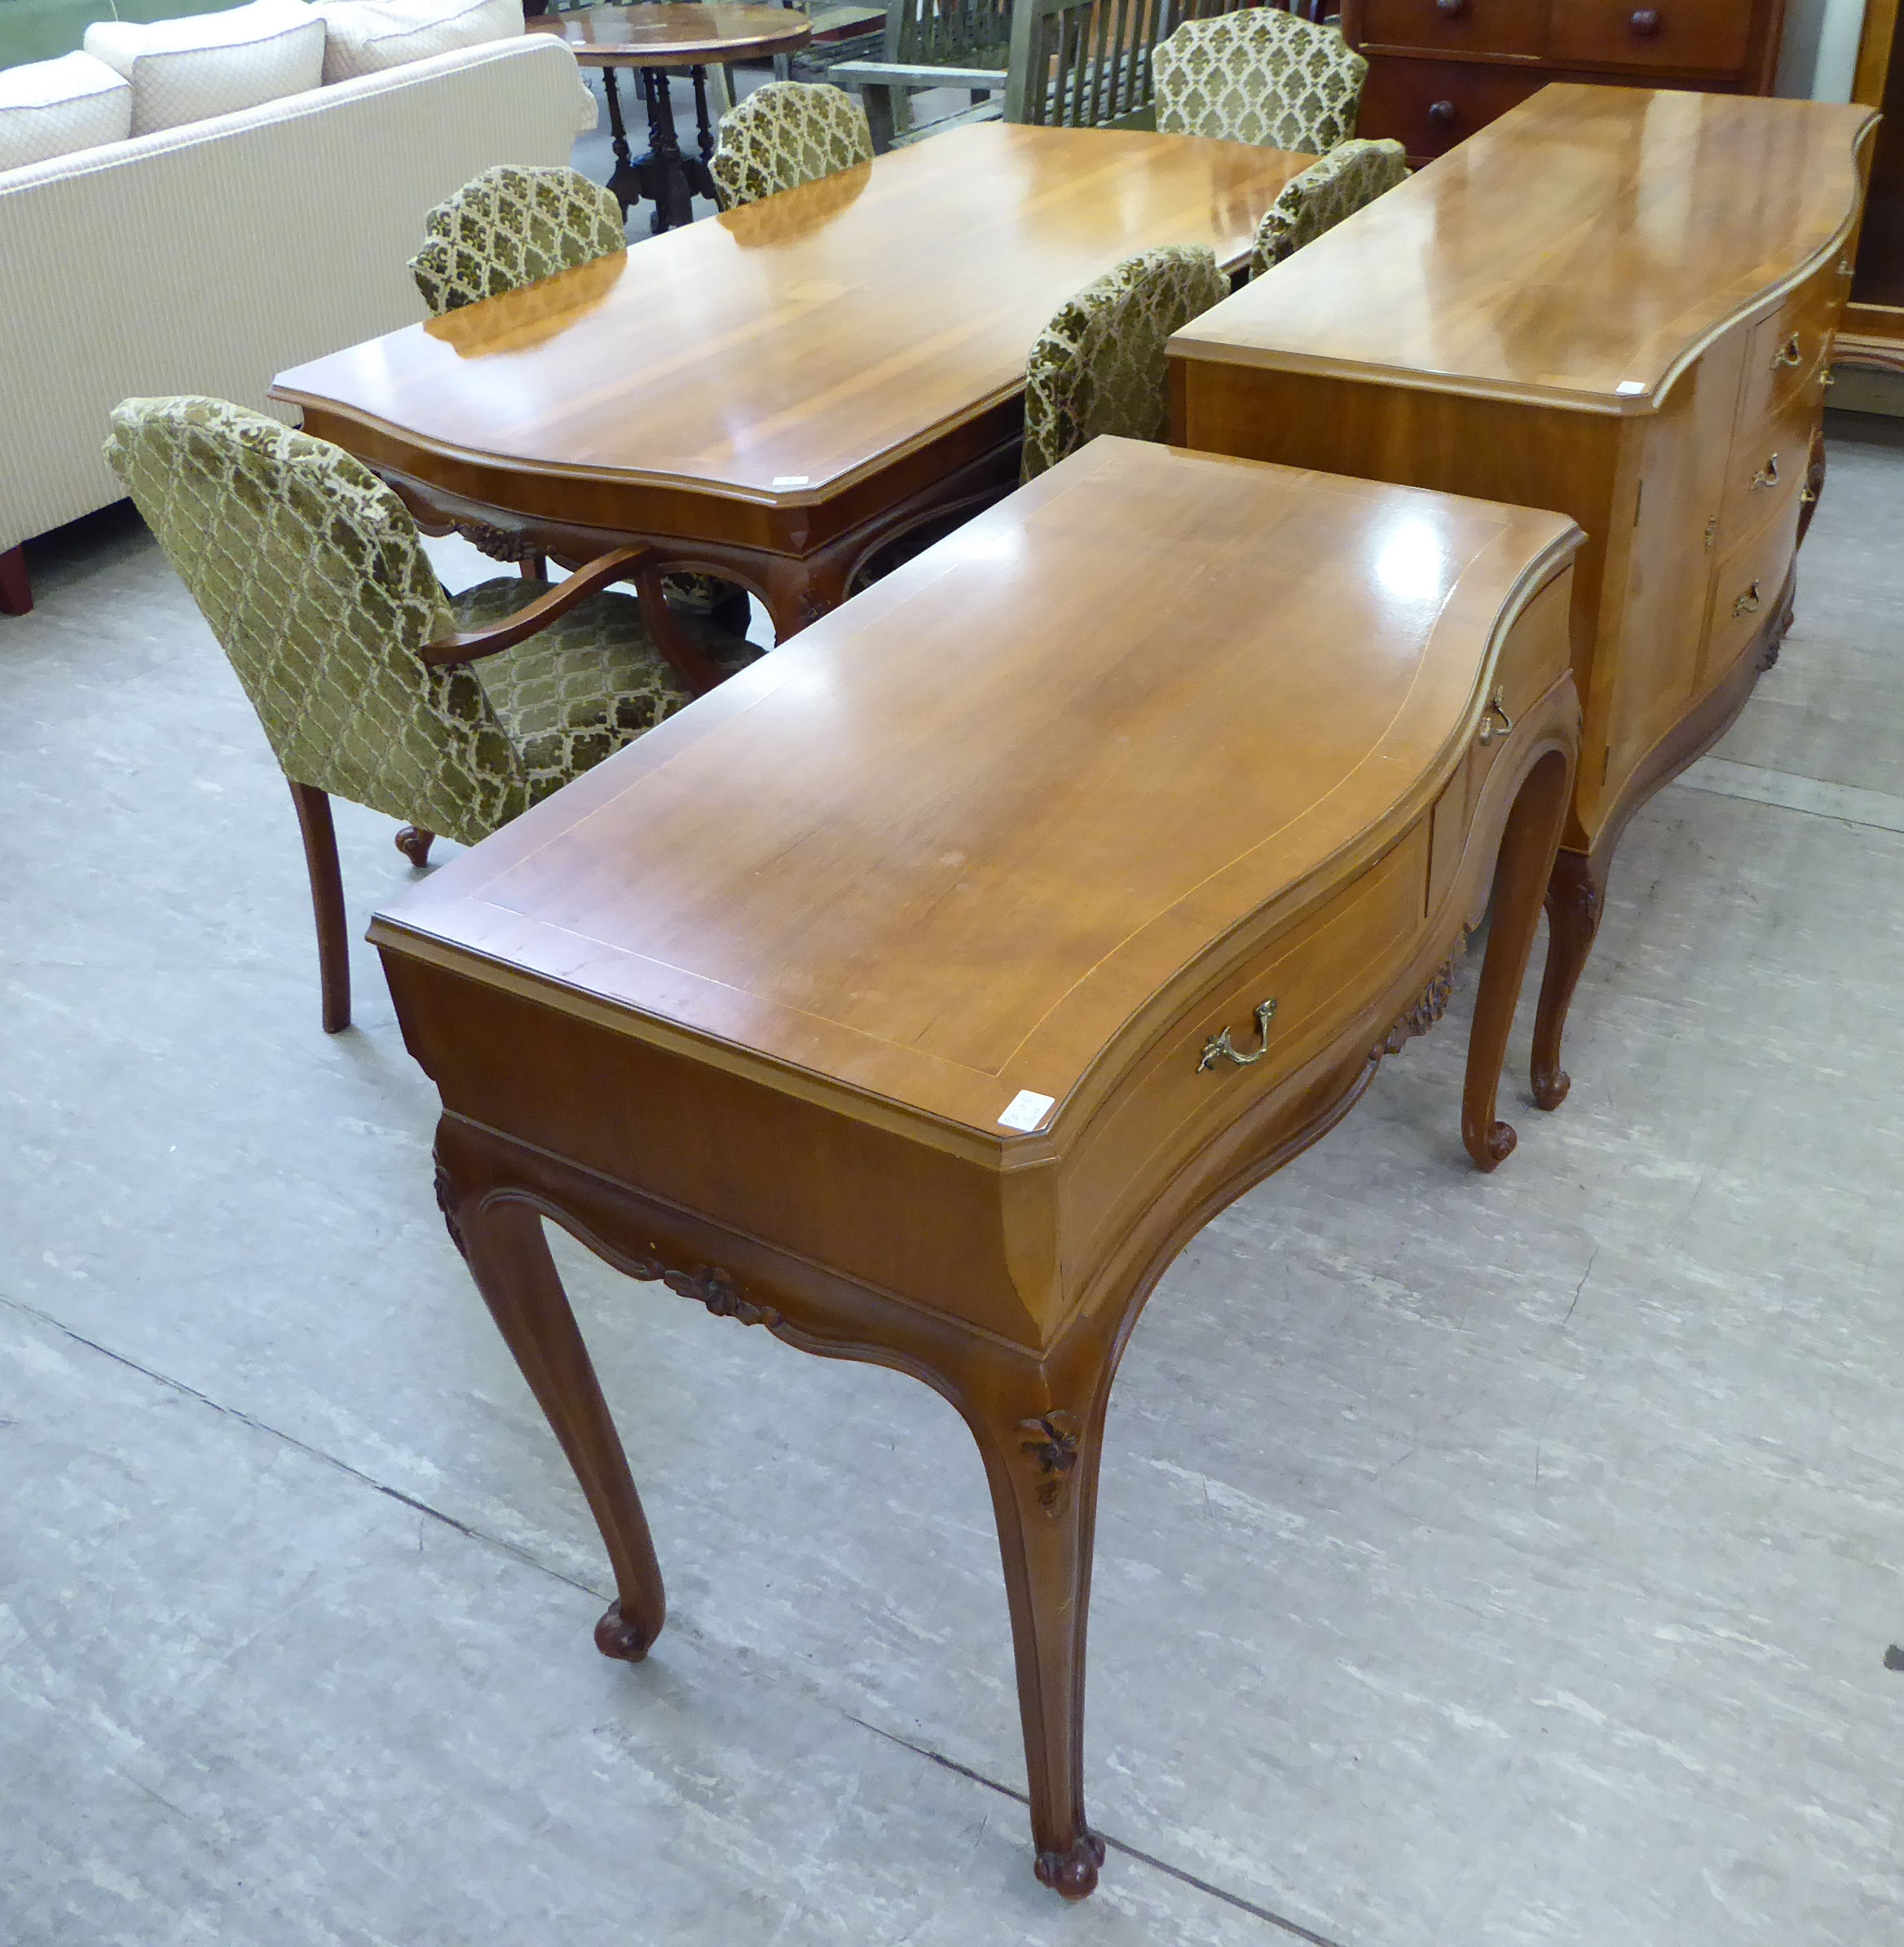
(778, 395)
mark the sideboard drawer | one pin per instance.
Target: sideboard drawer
(1785, 352)
(1457, 27)
(1701, 37)
(1748, 588)
(1769, 463)
(1430, 106)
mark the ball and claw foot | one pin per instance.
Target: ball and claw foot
(616, 1637)
(1550, 1087)
(414, 842)
(1072, 1874)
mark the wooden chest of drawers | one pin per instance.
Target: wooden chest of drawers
(1440, 70)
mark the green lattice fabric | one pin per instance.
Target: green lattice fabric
(1352, 174)
(309, 572)
(785, 134)
(510, 227)
(1261, 75)
(1098, 366)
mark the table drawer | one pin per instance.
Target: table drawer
(1430, 106)
(1311, 980)
(1514, 28)
(1701, 37)
(1747, 589)
(1785, 353)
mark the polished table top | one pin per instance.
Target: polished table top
(1582, 249)
(674, 32)
(946, 874)
(779, 352)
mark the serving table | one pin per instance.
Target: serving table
(1614, 301)
(775, 394)
(656, 39)
(917, 993)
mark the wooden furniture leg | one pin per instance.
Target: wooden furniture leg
(502, 1238)
(414, 842)
(16, 594)
(327, 901)
(1522, 876)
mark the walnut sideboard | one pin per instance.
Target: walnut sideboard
(1616, 302)
(917, 993)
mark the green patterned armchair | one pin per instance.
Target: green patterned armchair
(785, 134)
(1098, 366)
(1261, 75)
(509, 226)
(1350, 175)
(453, 713)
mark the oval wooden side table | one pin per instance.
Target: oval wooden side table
(655, 40)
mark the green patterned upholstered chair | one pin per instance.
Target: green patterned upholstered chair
(509, 226)
(1098, 366)
(1352, 174)
(454, 713)
(785, 134)
(1261, 75)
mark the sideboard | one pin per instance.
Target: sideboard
(1439, 70)
(1616, 302)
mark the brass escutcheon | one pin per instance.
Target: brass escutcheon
(1749, 603)
(1218, 1047)
(1767, 475)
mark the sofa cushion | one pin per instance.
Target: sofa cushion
(206, 64)
(364, 36)
(51, 108)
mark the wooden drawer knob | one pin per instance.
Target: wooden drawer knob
(1454, 9)
(1441, 113)
(1645, 22)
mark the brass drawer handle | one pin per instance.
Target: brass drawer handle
(1489, 729)
(1767, 475)
(1844, 268)
(1749, 603)
(1787, 354)
(1219, 1048)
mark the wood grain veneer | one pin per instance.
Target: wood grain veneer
(1614, 302)
(1163, 794)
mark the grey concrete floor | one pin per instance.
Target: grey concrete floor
(1486, 1560)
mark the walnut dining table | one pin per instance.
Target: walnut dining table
(774, 395)
(917, 993)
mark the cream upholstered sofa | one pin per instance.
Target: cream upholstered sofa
(208, 258)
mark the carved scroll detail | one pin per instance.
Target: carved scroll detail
(710, 1286)
(1423, 1014)
(494, 542)
(1051, 1439)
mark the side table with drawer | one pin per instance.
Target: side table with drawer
(1440, 70)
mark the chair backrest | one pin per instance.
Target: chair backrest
(1352, 174)
(1261, 75)
(785, 134)
(1098, 366)
(509, 226)
(949, 34)
(1087, 64)
(309, 570)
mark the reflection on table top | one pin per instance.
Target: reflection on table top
(944, 845)
(777, 352)
(671, 33)
(1582, 249)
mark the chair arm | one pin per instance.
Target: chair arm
(474, 643)
(904, 74)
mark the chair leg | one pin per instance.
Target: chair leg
(16, 592)
(414, 842)
(327, 901)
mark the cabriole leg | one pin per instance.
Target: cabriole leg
(1522, 874)
(1042, 1463)
(502, 1241)
(1575, 896)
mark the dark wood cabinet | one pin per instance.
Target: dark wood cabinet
(1440, 70)
(1873, 330)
